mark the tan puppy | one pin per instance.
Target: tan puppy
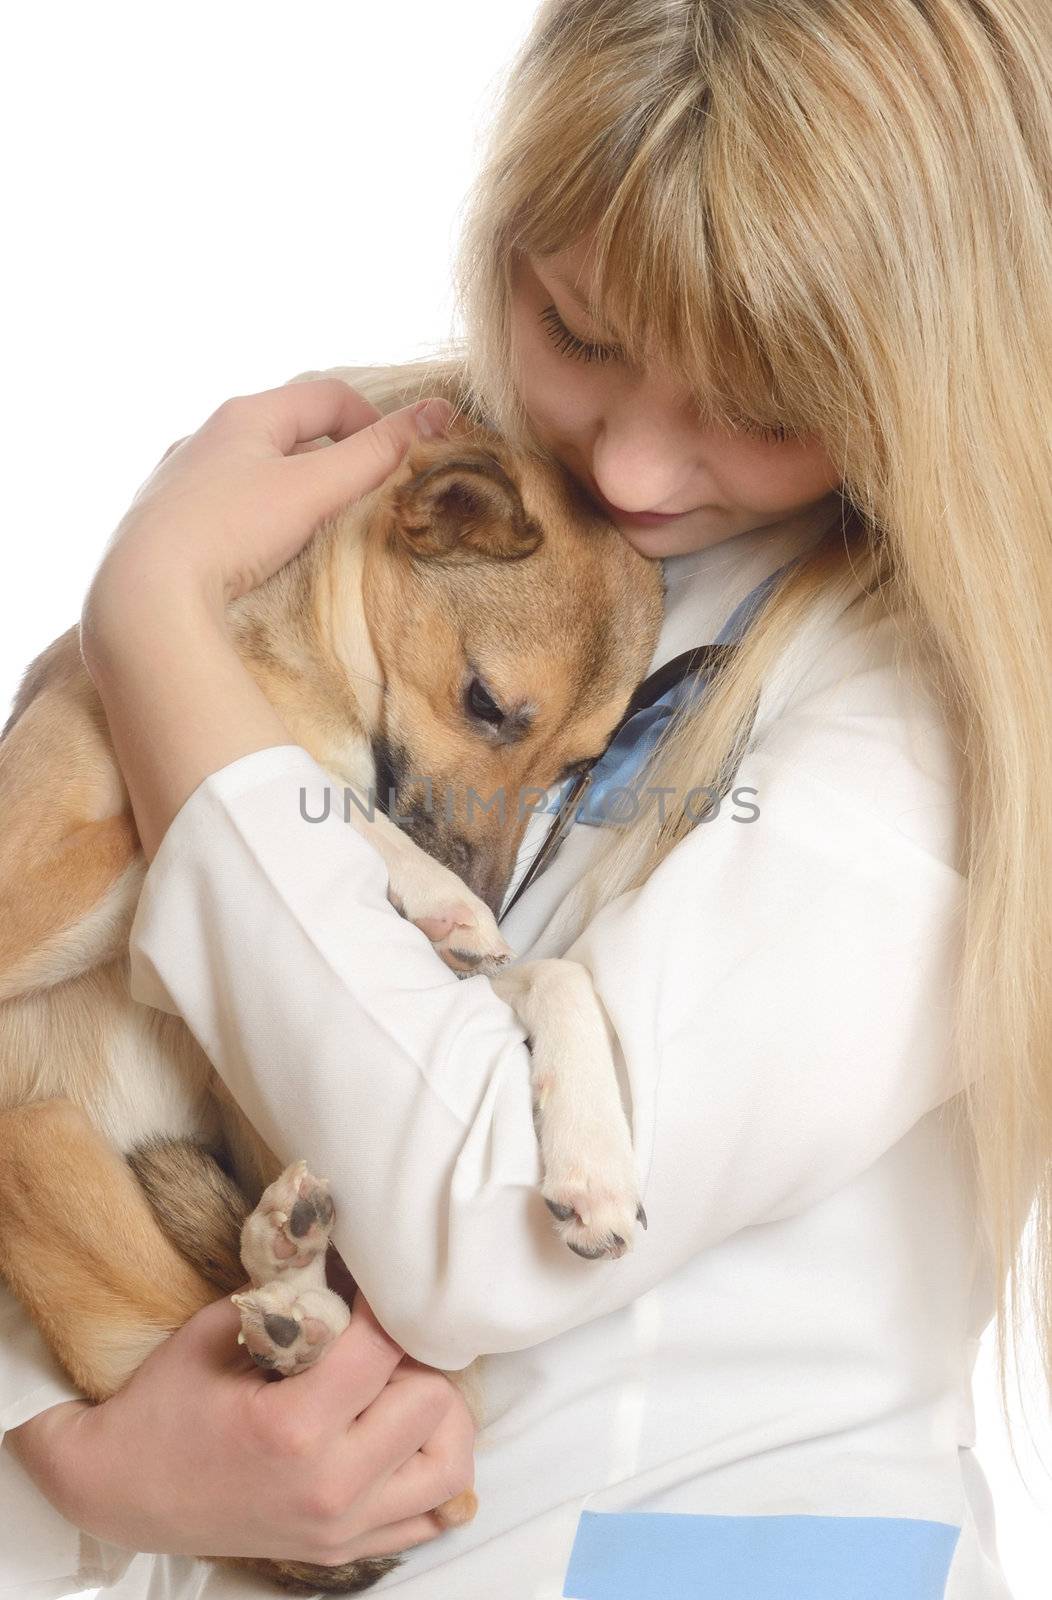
(473, 620)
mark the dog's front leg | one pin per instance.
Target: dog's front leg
(590, 1183)
(461, 927)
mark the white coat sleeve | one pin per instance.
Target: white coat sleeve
(779, 992)
(42, 1556)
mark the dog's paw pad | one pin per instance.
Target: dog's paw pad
(290, 1227)
(285, 1332)
(467, 939)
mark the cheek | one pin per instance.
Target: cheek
(560, 396)
(778, 477)
(560, 406)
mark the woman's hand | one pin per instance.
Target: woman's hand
(201, 1454)
(222, 511)
(230, 504)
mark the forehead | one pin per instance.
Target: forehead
(573, 269)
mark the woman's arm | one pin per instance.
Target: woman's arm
(190, 1456)
(48, 1550)
(222, 511)
(779, 997)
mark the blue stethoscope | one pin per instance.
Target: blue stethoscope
(610, 781)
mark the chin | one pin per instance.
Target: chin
(671, 540)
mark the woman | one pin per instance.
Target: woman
(780, 273)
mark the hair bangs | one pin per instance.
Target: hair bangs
(670, 279)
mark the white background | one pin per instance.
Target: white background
(202, 200)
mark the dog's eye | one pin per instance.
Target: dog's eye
(481, 704)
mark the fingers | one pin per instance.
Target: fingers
(399, 1422)
(416, 1489)
(290, 420)
(443, 1466)
(293, 413)
(392, 1539)
(210, 1339)
(451, 1448)
(419, 1440)
(399, 1504)
(361, 461)
(216, 1328)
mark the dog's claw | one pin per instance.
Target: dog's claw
(593, 1224)
(613, 1246)
(641, 1218)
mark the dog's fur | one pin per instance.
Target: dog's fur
(470, 559)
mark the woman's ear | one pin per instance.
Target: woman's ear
(464, 506)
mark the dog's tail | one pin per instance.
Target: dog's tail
(198, 1206)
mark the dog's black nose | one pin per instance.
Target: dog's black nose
(485, 873)
(480, 864)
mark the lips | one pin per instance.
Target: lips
(645, 516)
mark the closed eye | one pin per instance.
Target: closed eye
(568, 343)
(480, 704)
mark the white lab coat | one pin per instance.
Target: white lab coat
(769, 1397)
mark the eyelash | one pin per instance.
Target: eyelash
(772, 435)
(569, 344)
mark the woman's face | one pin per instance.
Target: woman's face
(634, 441)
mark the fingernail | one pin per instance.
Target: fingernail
(432, 418)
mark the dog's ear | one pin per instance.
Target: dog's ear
(463, 507)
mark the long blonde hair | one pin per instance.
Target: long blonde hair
(835, 215)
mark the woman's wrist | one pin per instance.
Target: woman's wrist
(223, 511)
(74, 1455)
(48, 1447)
(136, 590)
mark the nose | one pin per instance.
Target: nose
(486, 872)
(648, 457)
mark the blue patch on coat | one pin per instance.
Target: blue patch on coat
(659, 1555)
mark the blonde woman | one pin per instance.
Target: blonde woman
(779, 272)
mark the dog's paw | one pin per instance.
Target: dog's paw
(289, 1228)
(461, 927)
(592, 1218)
(285, 1331)
(589, 1172)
